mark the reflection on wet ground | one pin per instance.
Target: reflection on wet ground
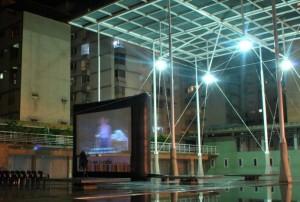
(222, 189)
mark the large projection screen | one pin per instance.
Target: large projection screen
(114, 136)
(106, 139)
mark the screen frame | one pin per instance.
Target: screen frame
(140, 132)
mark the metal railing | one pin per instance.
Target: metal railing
(66, 141)
(42, 140)
(186, 148)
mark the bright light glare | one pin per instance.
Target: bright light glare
(208, 78)
(286, 65)
(161, 65)
(245, 45)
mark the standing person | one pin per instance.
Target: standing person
(103, 135)
(83, 162)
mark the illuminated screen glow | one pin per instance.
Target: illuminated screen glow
(106, 139)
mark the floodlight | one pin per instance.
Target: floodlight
(245, 45)
(208, 78)
(116, 43)
(286, 65)
(161, 65)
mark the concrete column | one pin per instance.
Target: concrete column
(192, 167)
(33, 162)
(4, 156)
(68, 167)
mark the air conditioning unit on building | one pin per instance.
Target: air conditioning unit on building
(35, 96)
(84, 64)
(33, 119)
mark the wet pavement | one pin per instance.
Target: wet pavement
(220, 189)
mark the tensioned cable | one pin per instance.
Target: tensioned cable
(168, 115)
(240, 66)
(270, 110)
(269, 71)
(145, 81)
(296, 82)
(213, 54)
(243, 17)
(206, 97)
(297, 74)
(204, 110)
(184, 110)
(237, 113)
(275, 110)
(190, 123)
(188, 127)
(226, 62)
(291, 43)
(273, 123)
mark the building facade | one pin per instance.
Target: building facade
(34, 68)
(34, 87)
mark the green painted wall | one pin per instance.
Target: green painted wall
(226, 147)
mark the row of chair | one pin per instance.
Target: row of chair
(21, 177)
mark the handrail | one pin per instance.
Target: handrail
(66, 141)
(42, 140)
(185, 148)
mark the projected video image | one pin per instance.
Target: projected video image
(106, 132)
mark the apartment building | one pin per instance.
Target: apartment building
(34, 68)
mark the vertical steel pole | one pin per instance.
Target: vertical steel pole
(173, 155)
(199, 153)
(99, 63)
(285, 171)
(156, 159)
(268, 169)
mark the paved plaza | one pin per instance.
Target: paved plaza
(221, 189)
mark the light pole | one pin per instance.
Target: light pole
(268, 169)
(99, 62)
(199, 153)
(156, 158)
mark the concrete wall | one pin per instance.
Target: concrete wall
(55, 162)
(216, 108)
(226, 147)
(45, 93)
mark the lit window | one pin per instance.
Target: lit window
(16, 45)
(85, 49)
(1, 75)
(191, 89)
(117, 44)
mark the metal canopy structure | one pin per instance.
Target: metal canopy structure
(194, 30)
(196, 25)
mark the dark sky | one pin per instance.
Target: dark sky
(61, 10)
